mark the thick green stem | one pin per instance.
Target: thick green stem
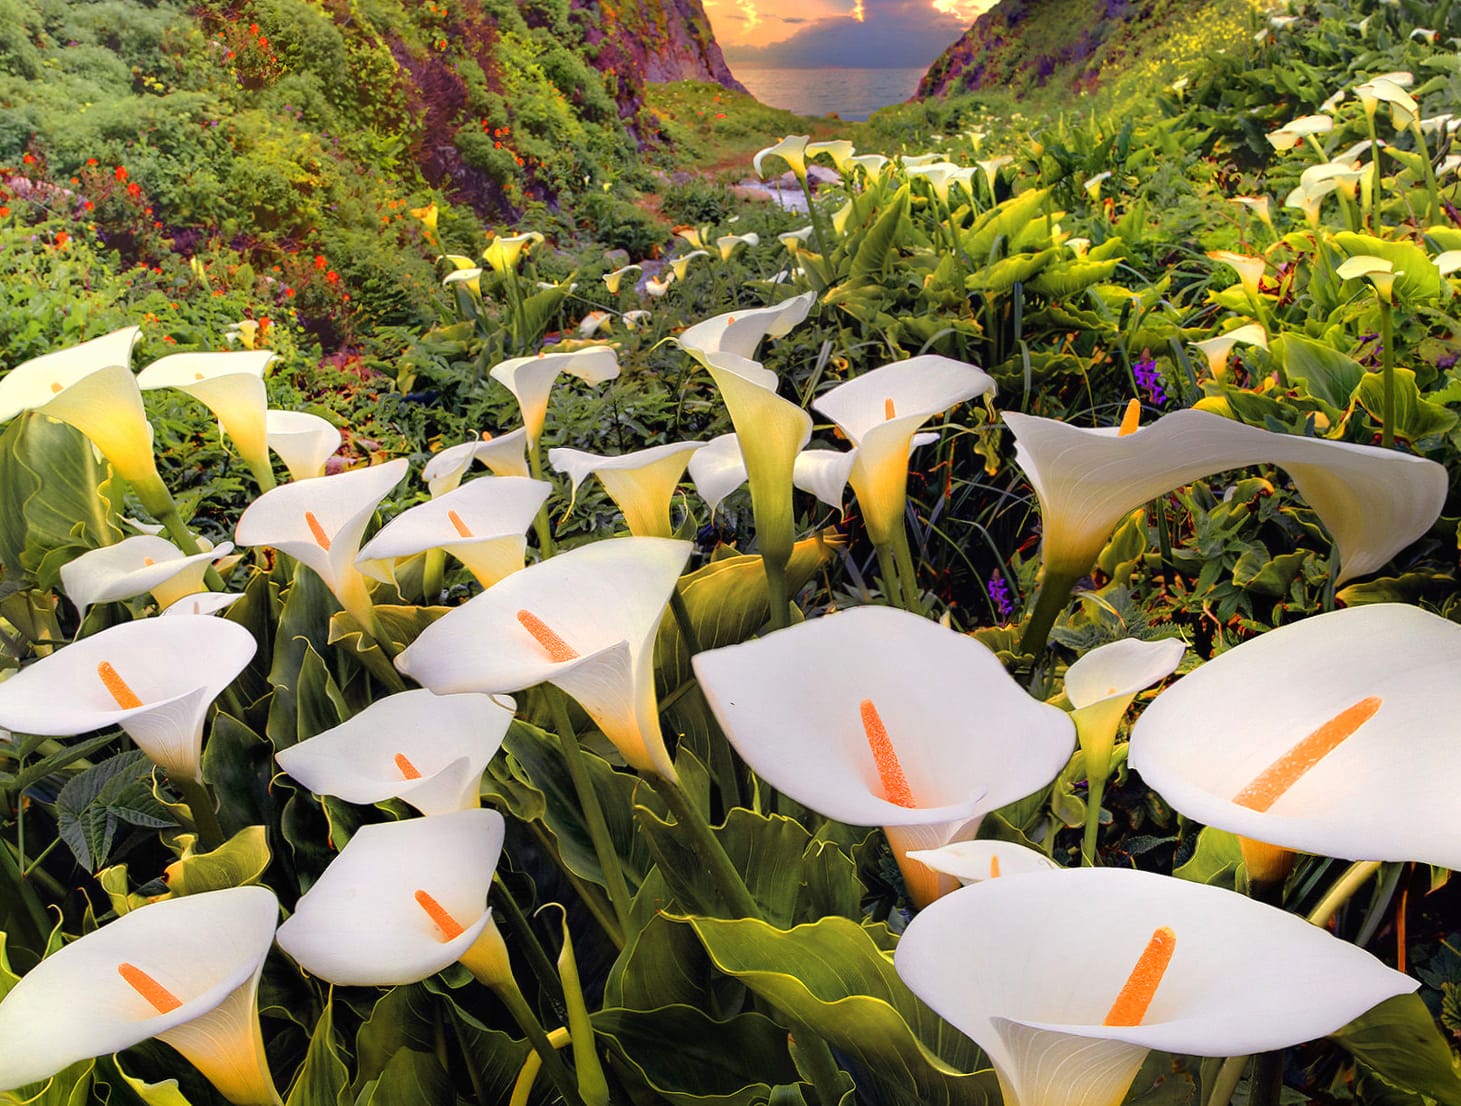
(1228, 1077)
(1372, 213)
(528, 1022)
(1432, 189)
(907, 571)
(528, 943)
(1051, 596)
(707, 846)
(1265, 1086)
(433, 572)
(685, 622)
(887, 568)
(593, 811)
(541, 526)
(1093, 817)
(777, 592)
(200, 804)
(1354, 878)
(1387, 379)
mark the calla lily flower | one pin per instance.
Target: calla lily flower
(792, 149)
(1183, 967)
(303, 441)
(975, 861)
(1093, 185)
(796, 240)
(838, 149)
(1374, 502)
(530, 379)
(202, 603)
(642, 483)
(656, 287)
(585, 621)
(1379, 271)
(482, 523)
(185, 970)
(503, 253)
(1292, 133)
(231, 385)
(402, 901)
(594, 322)
(727, 244)
(1362, 703)
(879, 412)
(320, 523)
(740, 332)
(696, 236)
(155, 678)
(91, 386)
(718, 469)
(1258, 205)
(504, 455)
(918, 161)
(871, 164)
(429, 750)
(613, 280)
(134, 566)
(1308, 197)
(1250, 269)
(681, 265)
(820, 713)
(1403, 108)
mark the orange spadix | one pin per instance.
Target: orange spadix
(557, 649)
(890, 772)
(1130, 419)
(126, 698)
(456, 521)
(1141, 985)
(450, 928)
(163, 1000)
(994, 867)
(1270, 784)
(322, 539)
(889, 411)
(408, 770)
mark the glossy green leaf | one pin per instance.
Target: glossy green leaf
(70, 1086)
(1415, 416)
(323, 1075)
(1217, 860)
(1399, 1041)
(1417, 278)
(876, 247)
(238, 862)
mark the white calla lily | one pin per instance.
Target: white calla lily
(975, 861)
(873, 165)
(202, 603)
(740, 332)
(585, 621)
(402, 901)
(483, 524)
(231, 385)
(1223, 976)
(134, 566)
(840, 150)
(503, 454)
(717, 469)
(728, 244)
(185, 970)
(613, 280)
(320, 523)
(880, 411)
(429, 750)
(641, 483)
(530, 380)
(681, 265)
(303, 441)
(504, 252)
(818, 711)
(1367, 701)
(1217, 348)
(1250, 268)
(155, 678)
(792, 149)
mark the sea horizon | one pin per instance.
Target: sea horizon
(851, 92)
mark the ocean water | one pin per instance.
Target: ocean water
(851, 93)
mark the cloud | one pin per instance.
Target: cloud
(878, 34)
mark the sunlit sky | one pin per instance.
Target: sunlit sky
(840, 32)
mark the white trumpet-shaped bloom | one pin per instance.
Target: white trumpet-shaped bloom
(202, 603)
(155, 678)
(642, 483)
(1367, 700)
(530, 379)
(1240, 977)
(792, 149)
(717, 469)
(1102, 684)
(303, 441)
(429, 750)
(880, 411)
(824, 712)
(231, 385)
(740, 332)
(503, 454)
(1217, 348)
(976, 861)
(1374, 502)
(584, 620)
(185, 970)
(134, 566)
(401, 902)
(320, 523)
(482, 524)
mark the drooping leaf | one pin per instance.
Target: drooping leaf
(1399, 1041)
(323, 1075)
(1217, 860)
(238, 862)
(93, 804)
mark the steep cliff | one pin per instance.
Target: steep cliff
(661, 40)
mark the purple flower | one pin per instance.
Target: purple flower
(1149, 378)
(999, 595)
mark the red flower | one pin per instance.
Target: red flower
(134, 189)
(29, 159)
(62, 238)
(169, 339)
(289, 292)
(4, 211)
(253, 28)
(120, 173)
(263, 42)
(332, 277)
(90, 206)
(320, 262)
(91, 162)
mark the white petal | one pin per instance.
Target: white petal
(1121, 668)
(740, 332)
(530, 379)
(203, 603)
(718, 469)
(976, 861)
(303, 441)
(32, 383)
(824, 473)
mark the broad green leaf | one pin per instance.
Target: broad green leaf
(238, 862)
(1005, 221)
(1069, 277)
(1417, 277)
(1217, 860)
(690, 1058)
(323, 1075)
(1408, 587)
(877, 245)
(1325, 373)
(1399, 1040)
(410, 1078)
(92, 805)
(304, 625)
(68, 1087)
(164, 1093)
(401, 624)
(320, 704)
(401, 1020)
(1415, 416)
(239, 765)
(835, 979)
(664, 964)
(1002, 275)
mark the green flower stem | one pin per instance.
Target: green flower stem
(685, 622)
(263, 475)
(1353, 879)
(1093, 817)
(907, 571)
(887, 568)
(541, 526)
(1051, 595)
(708, 847)
(166, 512)
(1265, 1085)
(200, 804)
(1372, 212)
(592, 895)
(527, 1021)
(593, 811)
(1228, 1077)
(813, 214)
(433, 569)
(528, 944)
(1387, 379)
(1432, 190)
(777, 591)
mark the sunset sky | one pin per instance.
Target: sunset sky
(839, 32)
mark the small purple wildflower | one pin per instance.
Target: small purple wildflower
(999, 595)
(1149, 378)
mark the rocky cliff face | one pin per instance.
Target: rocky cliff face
(658, 40)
